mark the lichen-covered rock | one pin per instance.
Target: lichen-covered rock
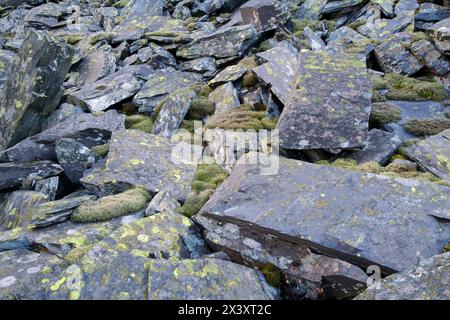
(18, 173)
(433, 154)
(427, 281)
(230, 42)
(86, 128)
(160, 84)
(224, 97)
(139, 159)
(162, 202)
(425, 51)
(18, 209)
(329, 209)
(303, 271)
(32, 89)
(206, 278)
(229, 74)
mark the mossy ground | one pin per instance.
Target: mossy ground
(392, 171)
(139, 122)
(383, 113)
(409, 89)
(101, 150)
(242, 118)
(110, 207)
(207, 178)
(200, 109)
(272, 275)
(426, 127)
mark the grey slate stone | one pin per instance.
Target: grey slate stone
(74, 157)
(425, 51)
(361, 218)
(18, 209)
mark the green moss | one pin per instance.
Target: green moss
(139, 122)
(200, 109)
(74, 38)
(110, 207)
(202, 90)
(249, 79)
(416, 36)
(242, 118)
(248, 62)
(447, 247)
(101, 150)
(272, 275)
(100, 36)
(207, 178)
(426, 127)
(383, 113)
(410, 89)
(378, 97)
(188, 125)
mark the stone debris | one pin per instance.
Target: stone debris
(224, 149)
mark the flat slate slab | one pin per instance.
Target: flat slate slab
(136, 158)
(326, 98)
(207, 278)
(361, 218)
(428, 281)
(433, 154)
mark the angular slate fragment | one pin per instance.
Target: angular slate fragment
(18, 209)
(393, 57)
(382, 28)
(361, 218)
(207, 66)
(141, 159)
(303, 270)
(329, 105)
(33, 90)
(229, 74)
(427, 281)
(311, 9)
(230, 42)
(120, 261)
(441, 33)
(112, 89)
(160, 84)
(380, 146)
(263, 14)
(425, 51)
(162, 202)
(74, 157)
(433, 154)
(224, 97)
(7, 59)
(14, 174)
(87, 128)
(207, 278)
(173, 112)
(48, 186)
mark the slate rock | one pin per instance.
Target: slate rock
(303, 271)
(262, 14)
(112, 89)
(7, 59)
(33, 90)
(209, 279)
(74, 157)
(206, 65)
(160, 84)
(380, 146)
(441, 33)
(49, 187)
(425, 51)
(173, 112)
(427, 281)
(433, 154)
(230, 42)
(393, 57)
(17, 173)
(229, 74)
(311, 9)
(224, 97)
(65, 110)
(163, 201)
(141, 159)
(86, 128)
(329, 209)
(382, 28)
(18, 209)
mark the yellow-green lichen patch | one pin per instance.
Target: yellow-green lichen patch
(207, 178)
(426, 127)
(110, 207)
(410, 89)
(101, 150)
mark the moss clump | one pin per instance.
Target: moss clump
(202, 90)
(410, 89)
(249, 79)
(405, 145)
(74, 38)
(401, 166)
(110, 207)
(139, 122)
(207, 178)
(101, 150)
(417, 36)
(272, 275)
(242, 118)
(447, 247)
(200, 109)
(100, 36)
(378, 97)
(426, 127)
(248, 62)
(384, 113)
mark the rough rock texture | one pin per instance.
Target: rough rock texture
(32, 89)
(323, 214)
(140, 159)
(428, 281)
(433, 154)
